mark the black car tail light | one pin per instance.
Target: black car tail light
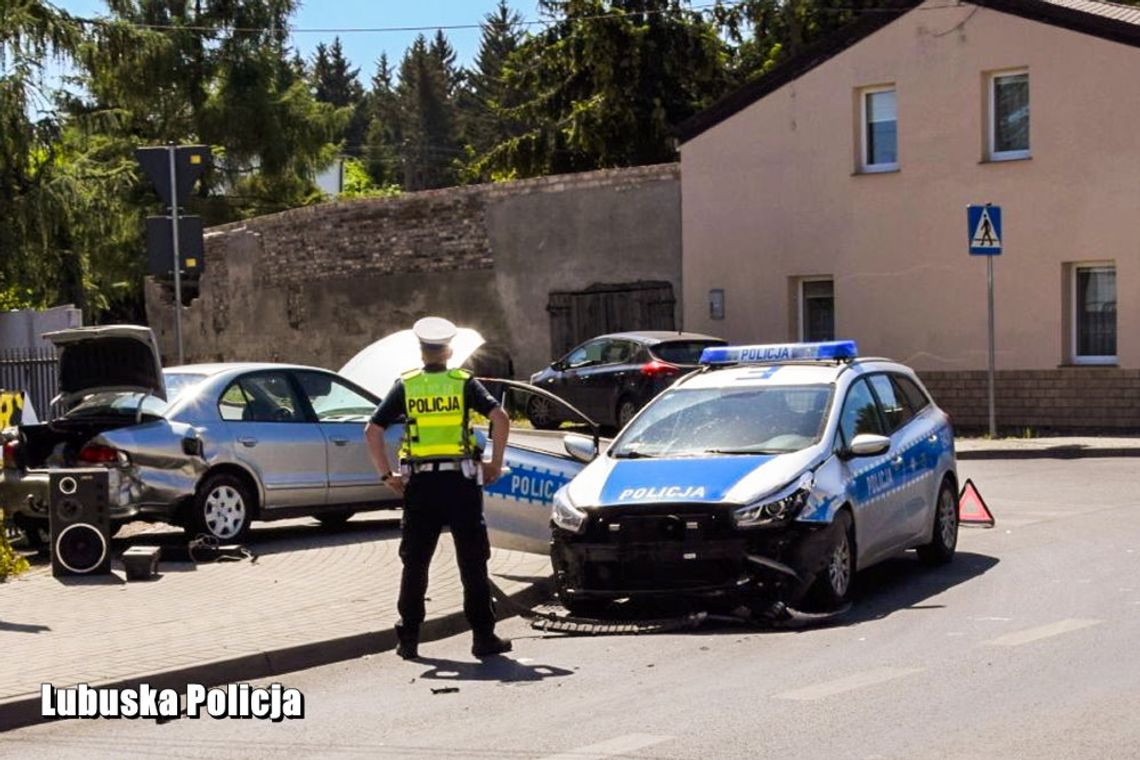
(658, 368)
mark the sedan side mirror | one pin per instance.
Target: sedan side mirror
(580, 447)
(868, 445)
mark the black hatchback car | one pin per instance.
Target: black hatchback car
(609, 378)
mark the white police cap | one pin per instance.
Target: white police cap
(434, 332)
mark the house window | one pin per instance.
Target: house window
(1009, 115)
(880, 130)
(817, 309)
(1094, 323)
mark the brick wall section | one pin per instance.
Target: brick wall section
(430, 231)
(1069, 398)
(315, 285)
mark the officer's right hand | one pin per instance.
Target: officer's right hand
(396, 482)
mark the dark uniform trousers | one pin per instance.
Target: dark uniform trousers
(432, 500)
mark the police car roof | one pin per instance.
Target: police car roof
(788, 373)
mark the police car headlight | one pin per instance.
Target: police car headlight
(776, 508)
(565, 514)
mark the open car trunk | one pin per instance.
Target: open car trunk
(57, 444)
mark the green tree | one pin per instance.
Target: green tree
(335, 81)
(765, 32)
(485, 102)
(384, 135)
(217, 72)
(429, 146)
(607, 80)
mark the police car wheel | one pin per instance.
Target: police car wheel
(944, 535)
(540, 412)
(833, 584)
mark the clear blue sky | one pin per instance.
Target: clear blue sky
(363, 48)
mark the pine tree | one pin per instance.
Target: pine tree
(605, 83)
(335, 81)
(485, 102)
(430, 149)
(384, 135)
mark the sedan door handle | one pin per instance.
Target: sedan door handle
(933, 438)
(339, 441)
(248, 441)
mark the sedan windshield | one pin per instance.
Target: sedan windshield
(756, 420)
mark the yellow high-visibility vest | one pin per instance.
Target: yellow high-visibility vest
(437, 426)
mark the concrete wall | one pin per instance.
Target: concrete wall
(22, 329)
(774, 193)
(315, 285)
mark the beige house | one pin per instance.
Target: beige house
(828, 198)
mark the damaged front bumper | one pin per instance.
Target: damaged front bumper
(686, 550)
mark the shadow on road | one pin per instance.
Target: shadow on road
(23, 627)
(901, 583)
(502, 669)
(266, 539)
(904, 583)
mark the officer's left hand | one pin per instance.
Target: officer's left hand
(491, 472)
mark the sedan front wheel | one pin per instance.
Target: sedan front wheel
(223, 508)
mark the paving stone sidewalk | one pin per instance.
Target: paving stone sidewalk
(309, 586)
(1059, 447)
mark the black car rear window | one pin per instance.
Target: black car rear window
(682, 351)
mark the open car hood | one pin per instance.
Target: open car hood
(108, 358)
(381, 363)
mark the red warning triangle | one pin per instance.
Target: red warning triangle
(971, 509)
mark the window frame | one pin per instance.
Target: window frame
(802, 310)
(884, 417)
(897, 378)
(300, 400)
(841, 441)
(992, 153)
(1075, 307)
(865, 165)
(311, 411)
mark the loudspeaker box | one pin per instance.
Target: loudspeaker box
(80, 522)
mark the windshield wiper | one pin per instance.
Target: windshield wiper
(744, 452)
(633, 455)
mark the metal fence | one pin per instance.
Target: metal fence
(34, 371)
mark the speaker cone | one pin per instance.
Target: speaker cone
(80, 548)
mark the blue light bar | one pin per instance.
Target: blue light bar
(780, 352)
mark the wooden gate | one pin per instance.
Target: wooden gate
(576, 316)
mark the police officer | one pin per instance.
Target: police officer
(440, 477)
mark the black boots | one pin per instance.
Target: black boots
(409, 640)
(488, 644)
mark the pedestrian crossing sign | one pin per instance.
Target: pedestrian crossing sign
(984, 223)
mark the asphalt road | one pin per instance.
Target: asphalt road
(1025, 647)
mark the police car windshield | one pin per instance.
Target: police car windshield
(714, 421)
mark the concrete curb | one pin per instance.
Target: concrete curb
(1052, 452)
(25, 711)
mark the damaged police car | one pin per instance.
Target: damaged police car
(774, 472)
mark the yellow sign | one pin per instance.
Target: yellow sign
(195, 158)
(191, 263)
(11, 408)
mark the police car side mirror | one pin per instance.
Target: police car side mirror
(580, 447)
(868, 445)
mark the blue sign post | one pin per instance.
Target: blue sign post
(983, 224)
